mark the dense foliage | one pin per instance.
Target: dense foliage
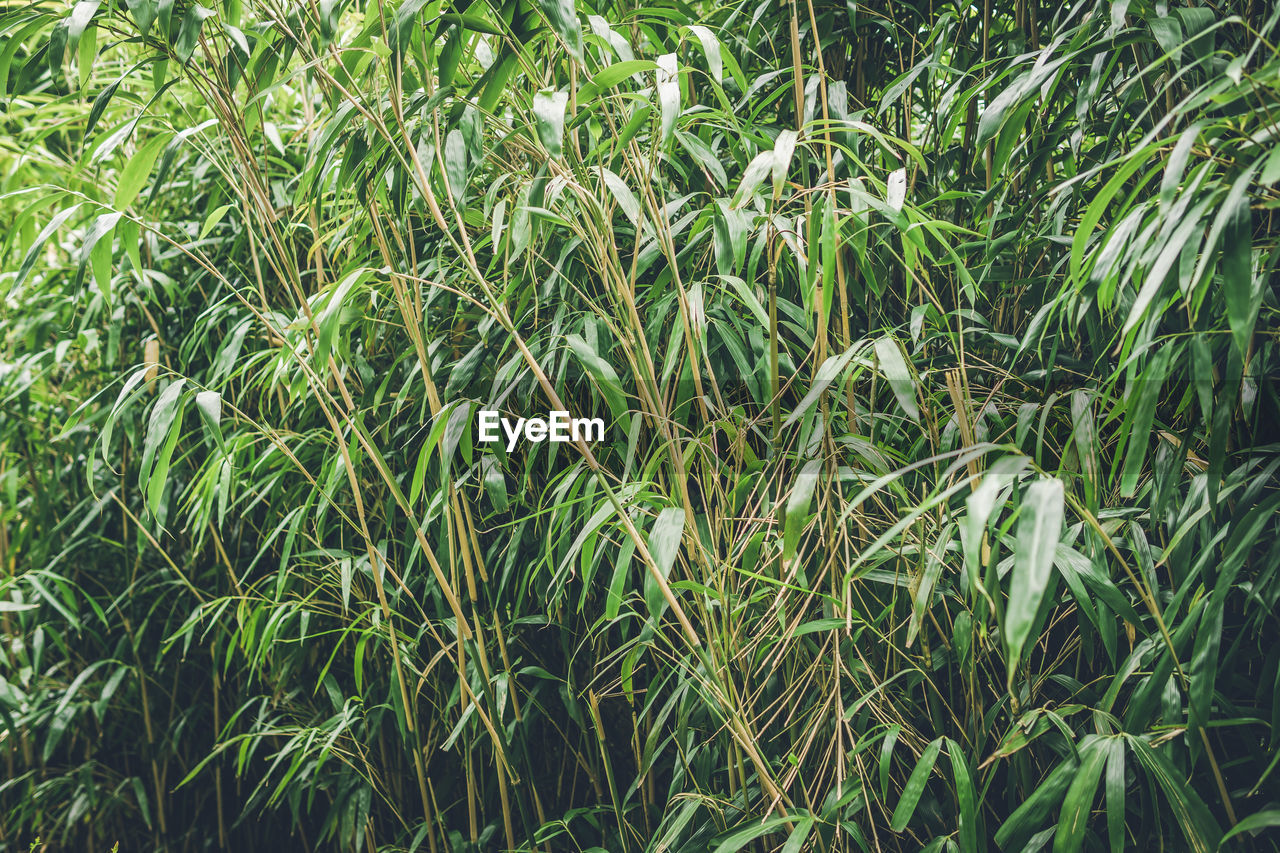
(937, 505)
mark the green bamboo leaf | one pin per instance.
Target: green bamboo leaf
(1253, 823)
(664, 545)
(827, 373)
(58, 725)
(1085, 433)
(16, 607)
(798, 506)
(740, 838)
(915, 787)
(970, 832)
(798, 836)
(1098, 205)
(1204, 662)
(620, 46)
(33, 252)
(611, 75)
(623, 195)
(1243, 292)
(979, 506)
(760, 166)
(604, 375)
(1030, 816)
(102, 227)
(209, 405)
(896, 189)
(783, 149)
(563, 17)
(77, 24)
(617, 584)
(923, 598)
(1268, 177)
(548, 109)
(729, 233)
(211, 221)
(668, 84)
(1011, 98)
(1201, 831)
(493, 83)
(664, 539)
(495, 482)
(1144, 394)
(189, 32)
(144, 14)
(163, 428)
(329, 318)
(1115, 786)
(1078, 802)
(901, 380)
(886, 757)
(15, 40)
(701, 154)
(455, 164)
(1176, 165)
(136, 171)
(1039, 526)
(86, 54)
(711, 48)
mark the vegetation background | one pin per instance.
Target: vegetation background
(937, 344)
